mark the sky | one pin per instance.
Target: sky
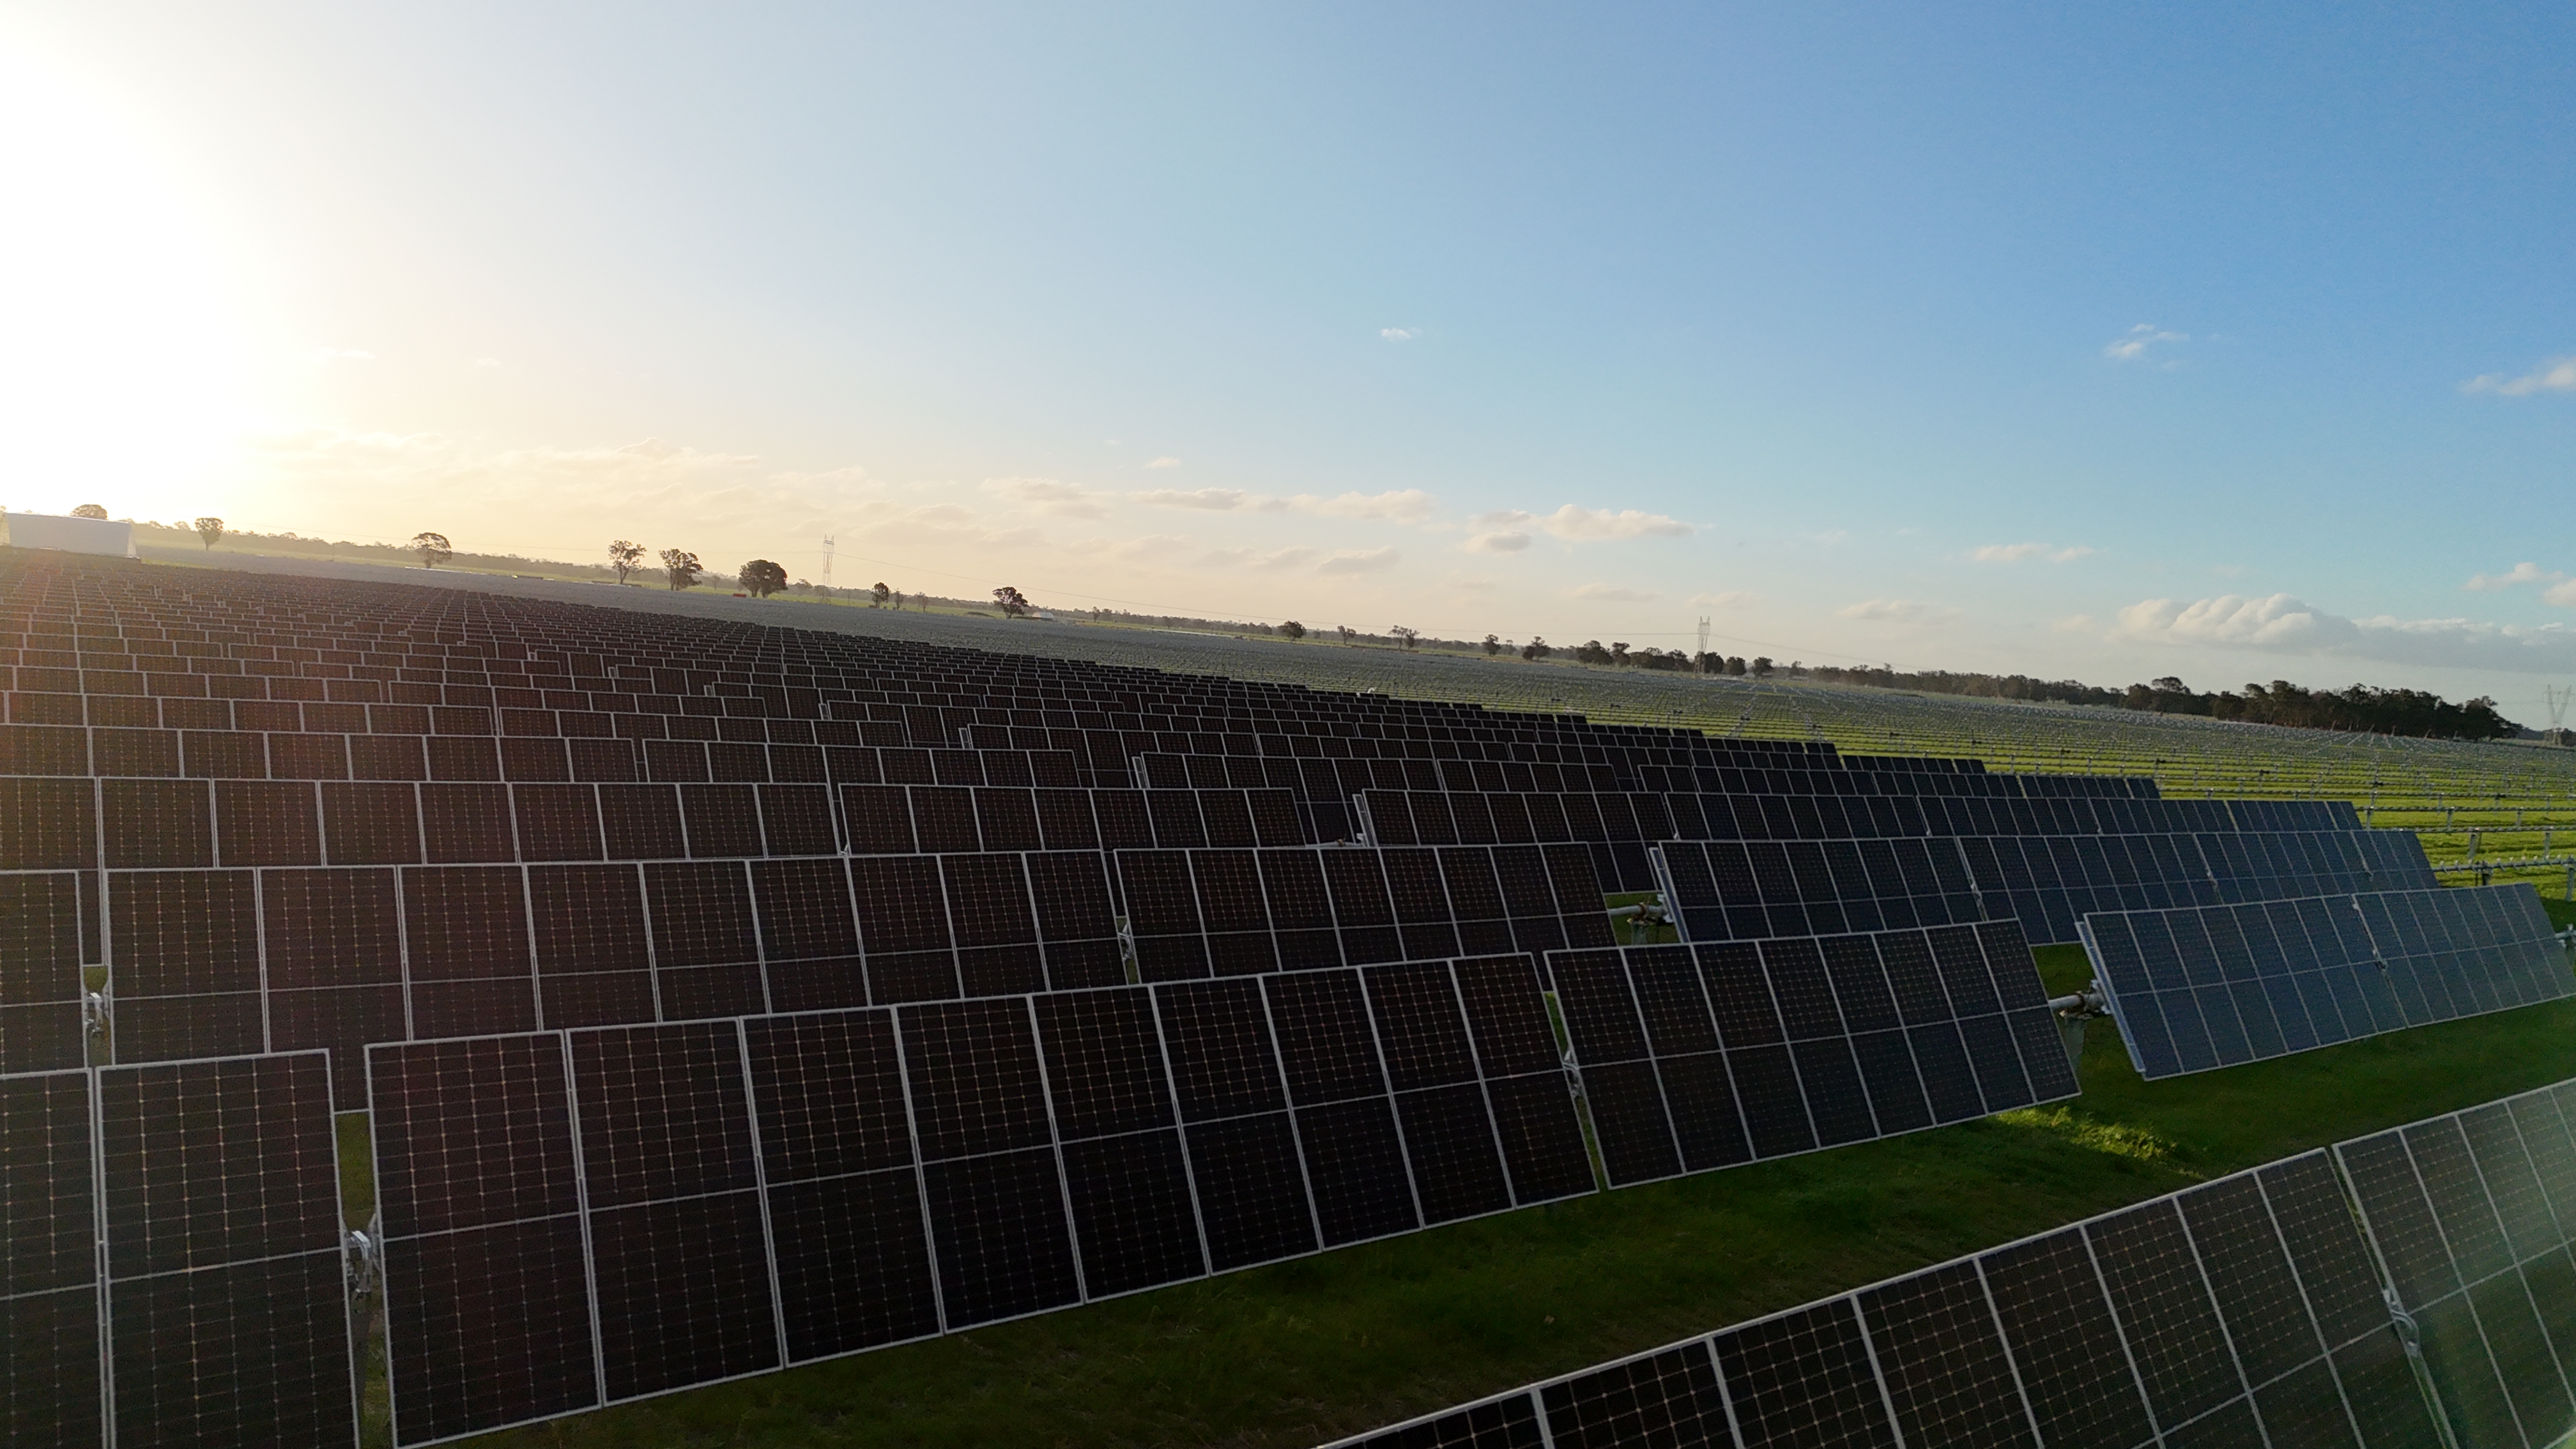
(2102, 342)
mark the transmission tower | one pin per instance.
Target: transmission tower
(2559, 699)
(1702, 658)
(827, 560)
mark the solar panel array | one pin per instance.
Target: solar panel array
(578, 1218)
(730, 997)
(2213, 986)
(1700, 1057)
(2285, 1306)
(173, 1270)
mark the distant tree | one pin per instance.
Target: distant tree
(625, 556)
(916, 603)
(878, 595)
(1493, 646)
(433, 548)
(211, 529)
(1293, 629)
(1591, 652)
(1536, 649)
(823, 592)
(1013, 602)
(1762, 666)
(90, 510)
(1735, 664)
(1619, 653)
(681, 567)
(1408, 635)
(760, 578)
(1346, 632)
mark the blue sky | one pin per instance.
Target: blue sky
(2109, 342)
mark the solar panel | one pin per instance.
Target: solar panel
(583, 1217)
(2207, 987)
(1701, 1057)
(2470, 1213)
(1730, 891)
(50, 1294)
(1215, 912)
(217, 1312)
(40, 972)
(2241, 1311)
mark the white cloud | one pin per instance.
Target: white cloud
(1585, 525)
(1471, 583)
(1165, 462)
(1245, 558)
(2558, 374)
(328, 355)
(1399, 334)
(1359, 561)
(2563, 594)
(1403, 506)
(1406, 505)
(2283, 625)
(1216, 500)
(2016, 552)
(2141, 337)
(1601, 523)
(2521, 573)
(2075, 624)
(1146, 549)
(1832, 536)
(1050, 496)
(1611, 593)
(1896, 611)
(1512, 541)
(1731, 599)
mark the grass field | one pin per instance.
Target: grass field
(1305, 1351)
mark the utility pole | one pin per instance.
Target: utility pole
(1702, 659)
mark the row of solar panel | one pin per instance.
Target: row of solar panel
(1433, 773)
(58, 824)
(1728, 890)
(2260, 1309)
(245, 755)
(1703, 1057)
(2474, 1213)
(577, 1219)
(212, 963)
(2195, 989)
(217, 1313)
(2244, 1311)
(1462, 818)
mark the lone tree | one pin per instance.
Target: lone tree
(211, 530)
(1292, 629)
(433, 548)
(1762, 667)
(682, 566)
(1619, 652)
(90, 510)
(1493, 645)
(1013, 602)
(760, 578)
(1537, 648)
(923, 604)
(626, 556)
(1405, 633)
(1345, 631)
(879, 595)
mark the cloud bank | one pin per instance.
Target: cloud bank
(2016, 552)
(2281, 624)
(2558, 374)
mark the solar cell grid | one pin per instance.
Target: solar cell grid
(2200, 987)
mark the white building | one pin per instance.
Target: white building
(71, 535)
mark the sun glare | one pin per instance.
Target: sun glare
(123, 358)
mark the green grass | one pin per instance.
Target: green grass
(1364, 1336)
